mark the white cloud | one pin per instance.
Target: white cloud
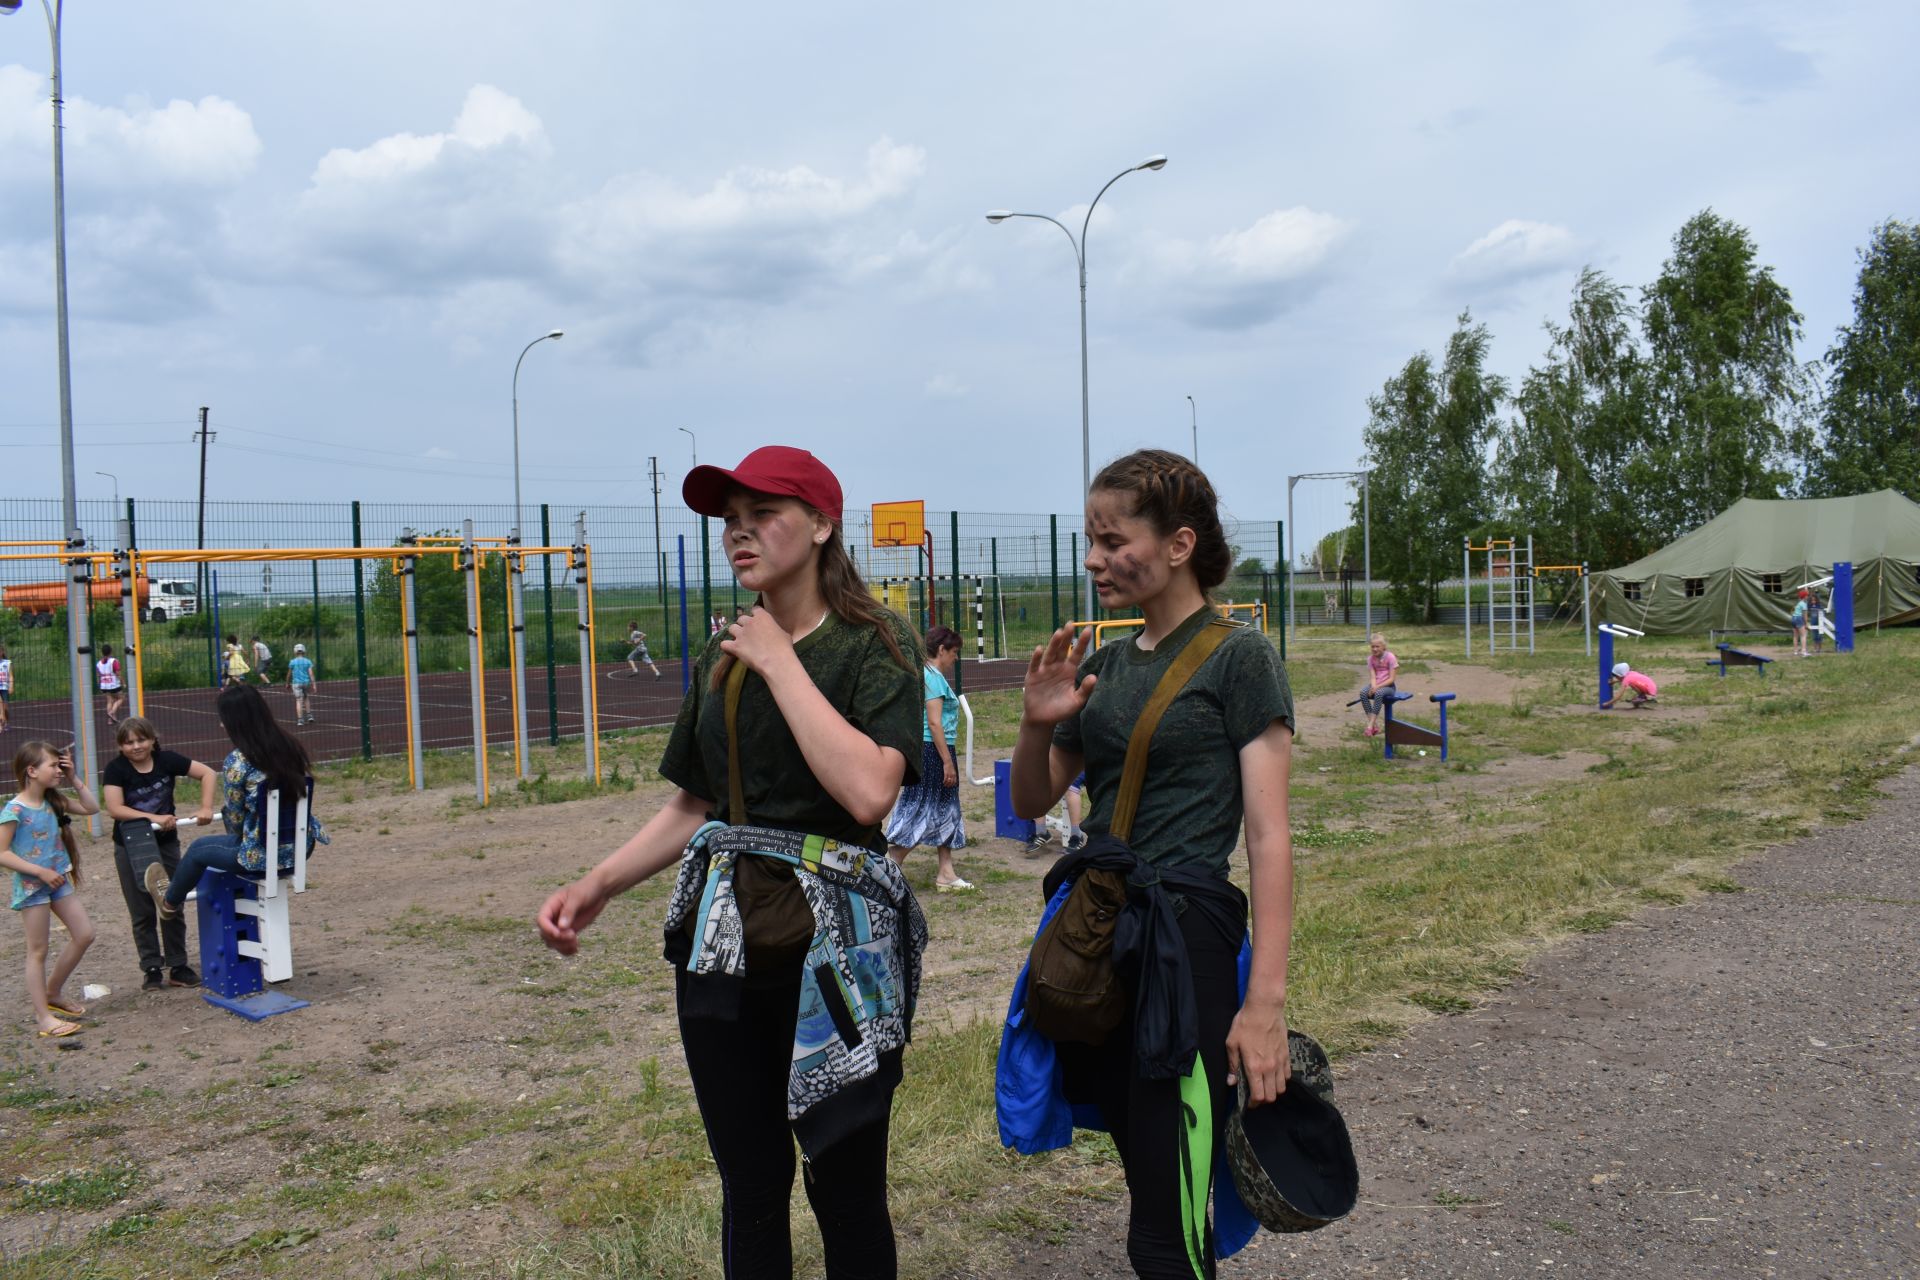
(944, 386)
(489, 120)
(1517, 250)
(1248, 276)
(206, 143)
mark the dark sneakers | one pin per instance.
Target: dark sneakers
(153, 981)
(183, 976)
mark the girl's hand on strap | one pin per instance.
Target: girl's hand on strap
(1257, 1049)
(759, 641)
(1050, 695)
(52, 878)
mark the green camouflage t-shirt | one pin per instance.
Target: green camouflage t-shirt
(850, 664)
(1191, 804)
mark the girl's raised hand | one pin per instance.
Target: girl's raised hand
(1050, 694)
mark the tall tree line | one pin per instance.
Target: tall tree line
(1648, 415)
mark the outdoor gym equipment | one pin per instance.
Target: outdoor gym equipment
(1510, 575)
(246, 936)
(1608, 630)
(1405, 733)
(1732, 657)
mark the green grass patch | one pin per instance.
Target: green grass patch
(93, 1188)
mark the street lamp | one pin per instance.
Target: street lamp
(108, 474)
(79, 641)
(693, 443)
(1080, 257)
(516, 425)
(1194, 409)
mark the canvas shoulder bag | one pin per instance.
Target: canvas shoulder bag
(1073, 993)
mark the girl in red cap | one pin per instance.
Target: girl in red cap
(1188, 1029)
(796, 941)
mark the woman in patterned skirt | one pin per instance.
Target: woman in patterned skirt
(929, 811)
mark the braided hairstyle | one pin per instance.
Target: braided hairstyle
(1170, 493)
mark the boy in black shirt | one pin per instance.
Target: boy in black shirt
(137, 787)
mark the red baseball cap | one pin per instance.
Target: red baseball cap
(774, 468)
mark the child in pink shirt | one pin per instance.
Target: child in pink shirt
(1638, 683)
(1381, 667)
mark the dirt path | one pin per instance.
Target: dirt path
(1724, 1089)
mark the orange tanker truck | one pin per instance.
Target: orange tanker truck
(158, 598)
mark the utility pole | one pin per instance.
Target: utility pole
(659, 552)
(203, 436)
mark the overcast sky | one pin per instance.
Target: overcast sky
(338, 224)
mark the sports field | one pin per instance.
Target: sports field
(459, 1102)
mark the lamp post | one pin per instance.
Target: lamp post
(515, 531)
(516, 598)
(1080, 258)
(1194, 409)
(79, 641)
(693, 443)
(116, 488)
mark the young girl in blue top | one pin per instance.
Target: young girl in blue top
(43, 876)
(929, 812)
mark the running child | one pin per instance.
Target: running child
(1636, 683)
(236, 662)
(300, 684)
(638, 639)
(261, 657)
(43, 878)
(136, 790)
(6, 686)
(1382, 667)
(111, 683)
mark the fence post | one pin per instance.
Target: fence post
(1286, 581)
(706, 574)
(1053, 549)
(410, 659)
(476, 659)
(994, 621)
(589, 692)
(546, 578)
(957, 615)
(133, 681)
(686, 652)
(516, 647)
(1073, 571)
(360, 638)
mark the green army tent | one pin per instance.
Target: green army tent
(1742, 569)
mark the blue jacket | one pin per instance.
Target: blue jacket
(1035, 1115)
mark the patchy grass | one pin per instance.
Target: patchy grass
(1420, 890)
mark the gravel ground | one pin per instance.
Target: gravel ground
(1729, 1088)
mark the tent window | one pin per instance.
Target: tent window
(1770, 582)
(1630, 590)
(1696, 587)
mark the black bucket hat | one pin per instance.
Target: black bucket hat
(1292, 1160)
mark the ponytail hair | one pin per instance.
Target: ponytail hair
(1170, 493)
(848, 598)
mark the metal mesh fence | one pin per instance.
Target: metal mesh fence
(1004, 581)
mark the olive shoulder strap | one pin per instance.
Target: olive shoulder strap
(1133, 774)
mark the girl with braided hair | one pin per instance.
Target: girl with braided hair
(1219, 757)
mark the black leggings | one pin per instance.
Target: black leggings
(1149, 1118)
(739, 1068)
